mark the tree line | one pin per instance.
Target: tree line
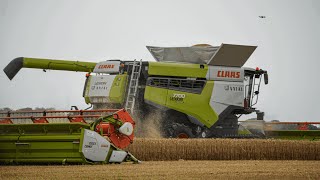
(6, 109)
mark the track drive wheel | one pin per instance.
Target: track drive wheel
(177, 130)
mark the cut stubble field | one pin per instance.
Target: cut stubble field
(171, 170)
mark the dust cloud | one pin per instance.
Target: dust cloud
(150, 125)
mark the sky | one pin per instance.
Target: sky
(287, 39)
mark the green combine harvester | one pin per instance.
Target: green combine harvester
(199, 92)
(283, 130)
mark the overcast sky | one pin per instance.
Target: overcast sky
(287, 39)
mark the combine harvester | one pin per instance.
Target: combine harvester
(200, 91)
(282, 130)
(295, 131)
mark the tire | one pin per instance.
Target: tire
(177, 130)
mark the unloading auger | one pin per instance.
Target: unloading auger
(66, 137)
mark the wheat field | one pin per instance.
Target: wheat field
(224, 149)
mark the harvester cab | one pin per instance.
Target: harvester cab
(252, 82)
(105, 86)
(198, 91)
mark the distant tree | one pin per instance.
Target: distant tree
(50, 109)
(25, 109)
(39, 109)
(44, 109)
(6, 109)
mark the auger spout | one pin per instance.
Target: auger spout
(38, 63)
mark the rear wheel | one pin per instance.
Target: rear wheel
(177, 130)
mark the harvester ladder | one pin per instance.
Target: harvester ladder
(133, 85)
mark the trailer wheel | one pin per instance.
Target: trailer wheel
(177, 130)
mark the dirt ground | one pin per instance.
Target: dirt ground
(171, 170)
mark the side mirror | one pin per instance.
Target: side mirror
(266, 78)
